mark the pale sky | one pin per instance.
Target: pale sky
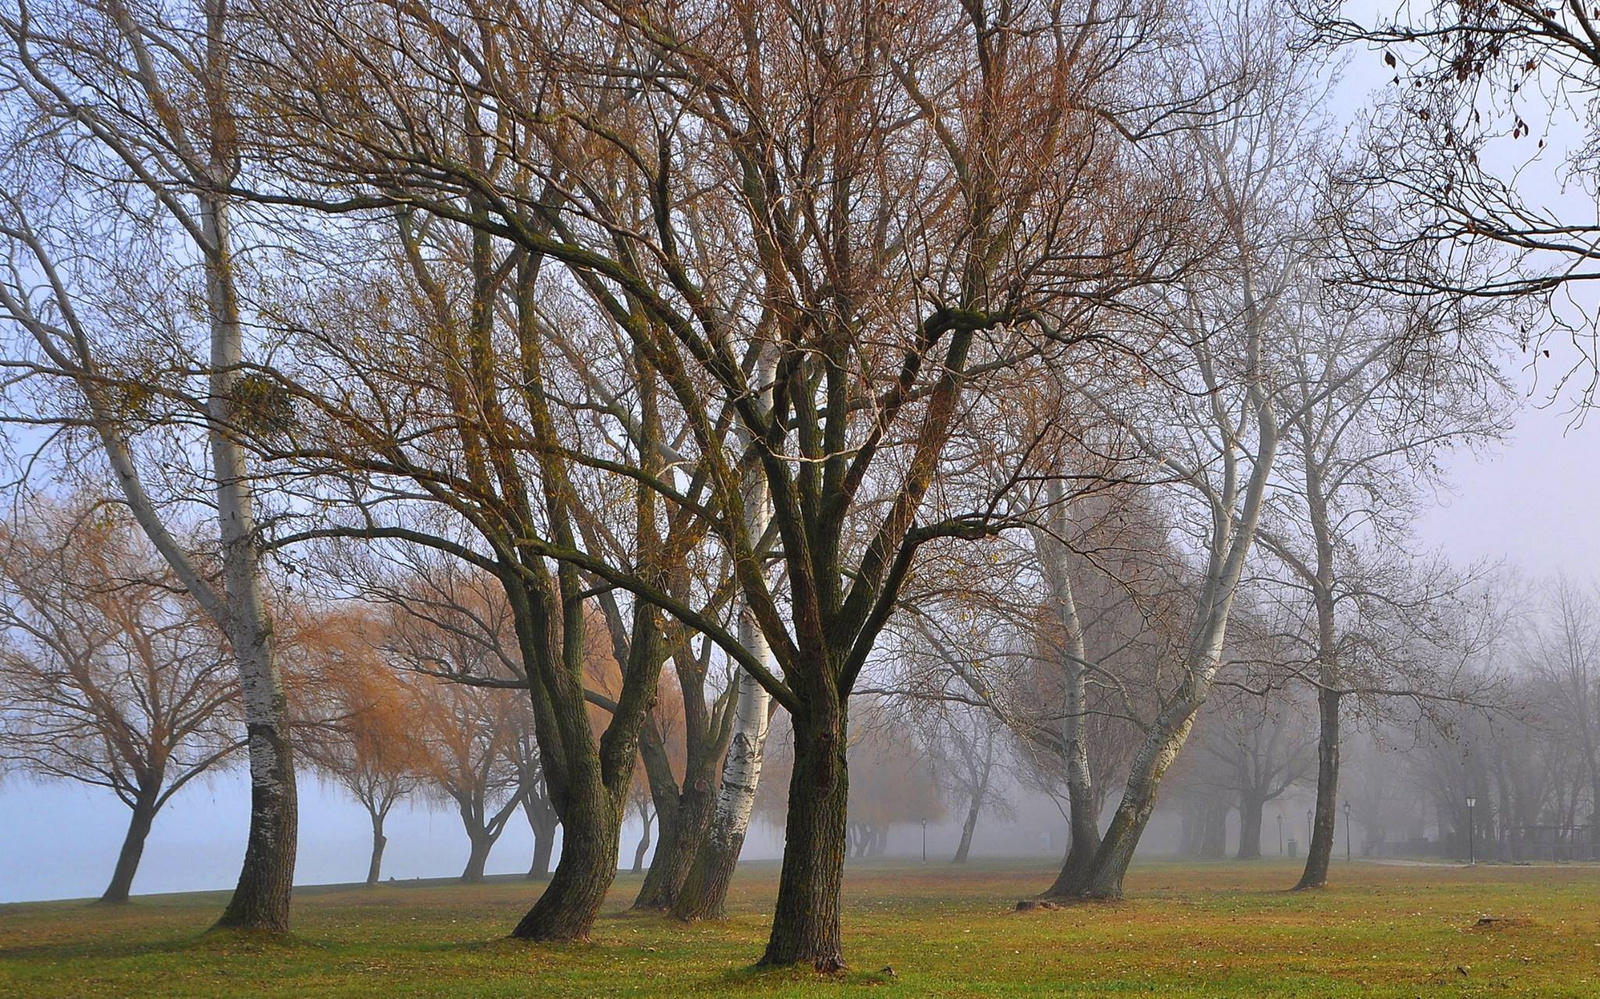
(1531, 501)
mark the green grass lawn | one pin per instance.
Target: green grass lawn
(1220, 929)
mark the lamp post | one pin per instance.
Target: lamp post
(1472, 846)
(1308, 831)
(1280, 834)
(924, 841)
(1347, 831)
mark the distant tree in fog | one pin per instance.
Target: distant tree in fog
(110, 675)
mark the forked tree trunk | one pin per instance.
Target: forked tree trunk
(144, 815)
(805, 923)
(1156, 753)
(379, 841)
(967, 828)
(590, 840)
(1250, 809)
(1326, 814)
(704, 892)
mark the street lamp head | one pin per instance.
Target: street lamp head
(1472, 802)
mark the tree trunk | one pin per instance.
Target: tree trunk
(144, 815)
(704, 892)
(805, 923)
(590, 840)
(1084, 817)
(642, 849)
(1320, 851)
(1160, 748)
(477, 856)
(543, 846)
(967, 828)
(266, 879)
(1250, 809)
(1214, 835)
(542, 821)
(379, 841)
(675, 855)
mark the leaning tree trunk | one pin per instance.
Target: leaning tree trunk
(379, 841)
(1250, 809)
(266, 879)
(805, 923)
(144, 815)
(967, 828)
(590, 841)
(1326, 814)
(1155, 755)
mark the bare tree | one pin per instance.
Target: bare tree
(126, 139)
(1480, 161)
(999, 217)
(109, 673)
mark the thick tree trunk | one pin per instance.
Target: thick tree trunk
(1250, 809)
(590, 840)
(967, 828)
(144, 815)
(266, 879)
(379, 841)
(675, 855)
(477, 856)
(805, 923)
(1326, 814)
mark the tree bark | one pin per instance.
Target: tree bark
(1326, 814)
(675, 856)
(261, 899)
(704, 892)
(805, 923)
(592, 830)
(144, 815)
(1084, 815)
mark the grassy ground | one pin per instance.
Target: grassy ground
(1188, 930)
